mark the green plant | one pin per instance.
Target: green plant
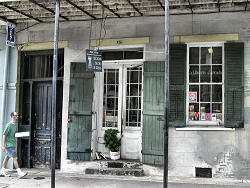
(111, 141)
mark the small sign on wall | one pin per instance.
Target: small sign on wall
(10, 41)
(93, 61)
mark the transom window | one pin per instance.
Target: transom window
(205, 84)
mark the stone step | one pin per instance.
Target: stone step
(121, 164)
(115, 171)
(119, 167)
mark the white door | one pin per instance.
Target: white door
(122, 107)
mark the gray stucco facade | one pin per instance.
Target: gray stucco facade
(227, 152)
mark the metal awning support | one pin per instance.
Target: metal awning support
(161, 4)
(246, 5)
(81, 9)
(20, 12)
(8, 20)
(165, 178)
(137, 10)
(53, 128)
(190, 6)
(219, 5)
(107, 7)
(48, 9)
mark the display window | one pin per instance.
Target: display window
(205, 83)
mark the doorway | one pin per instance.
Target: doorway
(122, 106)
(35, 108)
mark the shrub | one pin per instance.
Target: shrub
(111, 141)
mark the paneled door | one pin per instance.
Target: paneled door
(121, 107)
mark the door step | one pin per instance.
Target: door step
(119, 168)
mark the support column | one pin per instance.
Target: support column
(4, 91)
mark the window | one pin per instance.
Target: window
(205, 84)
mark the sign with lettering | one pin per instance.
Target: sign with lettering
(10, 35)
(93, 61)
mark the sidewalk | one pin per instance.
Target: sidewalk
(41, 178)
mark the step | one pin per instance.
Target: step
(115, 171)
(119, 168)
(121, 164)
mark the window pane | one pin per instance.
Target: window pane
(205, 93)
(194, 88)
(217, 107)
(194, 55)
(205, 74)
(217, 55)
(205, 55)
(194, 74)
(217, 74)
(217, 93)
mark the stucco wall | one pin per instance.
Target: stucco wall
(227, 152)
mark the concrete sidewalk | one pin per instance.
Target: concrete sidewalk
(41, 178)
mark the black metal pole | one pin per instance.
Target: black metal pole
(53, 129)
(165, 180)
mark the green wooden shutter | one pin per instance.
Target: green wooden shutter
(177, 85)
(153, 109)
(153, 102)
(234, 85)
(80, 113)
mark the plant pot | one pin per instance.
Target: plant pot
(114, 155)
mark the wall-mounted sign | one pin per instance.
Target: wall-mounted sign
(93, 61)
(10, 35)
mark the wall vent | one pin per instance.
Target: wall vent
(203, 172)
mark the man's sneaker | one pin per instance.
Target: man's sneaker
(21, 174)
(3, 174)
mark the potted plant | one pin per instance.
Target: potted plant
(113, 143)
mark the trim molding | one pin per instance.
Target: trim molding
(119, 42)
(41, 46)
(206, 38)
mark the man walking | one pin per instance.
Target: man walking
(9, 145)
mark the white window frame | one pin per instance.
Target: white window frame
(205, 123)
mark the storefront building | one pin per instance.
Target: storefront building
(209, 92)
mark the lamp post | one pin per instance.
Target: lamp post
(165, 179)
(53, 129)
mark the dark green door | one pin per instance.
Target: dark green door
(80, 113)
(42, 123)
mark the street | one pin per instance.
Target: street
(41, 178)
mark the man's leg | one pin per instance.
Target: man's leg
(5, 162)
(19, 172)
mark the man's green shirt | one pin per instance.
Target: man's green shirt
(9, 132)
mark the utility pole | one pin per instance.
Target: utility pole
(53, 128)
(165, 179)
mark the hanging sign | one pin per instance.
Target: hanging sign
(93, 61)
(10, 35)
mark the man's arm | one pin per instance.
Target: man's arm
(3, 147)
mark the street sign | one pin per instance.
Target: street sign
(93, 61)
(10, 35)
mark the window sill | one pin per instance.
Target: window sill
(205, 129)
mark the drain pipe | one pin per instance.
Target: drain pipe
(4, 97)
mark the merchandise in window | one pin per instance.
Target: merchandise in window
(205, 84)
